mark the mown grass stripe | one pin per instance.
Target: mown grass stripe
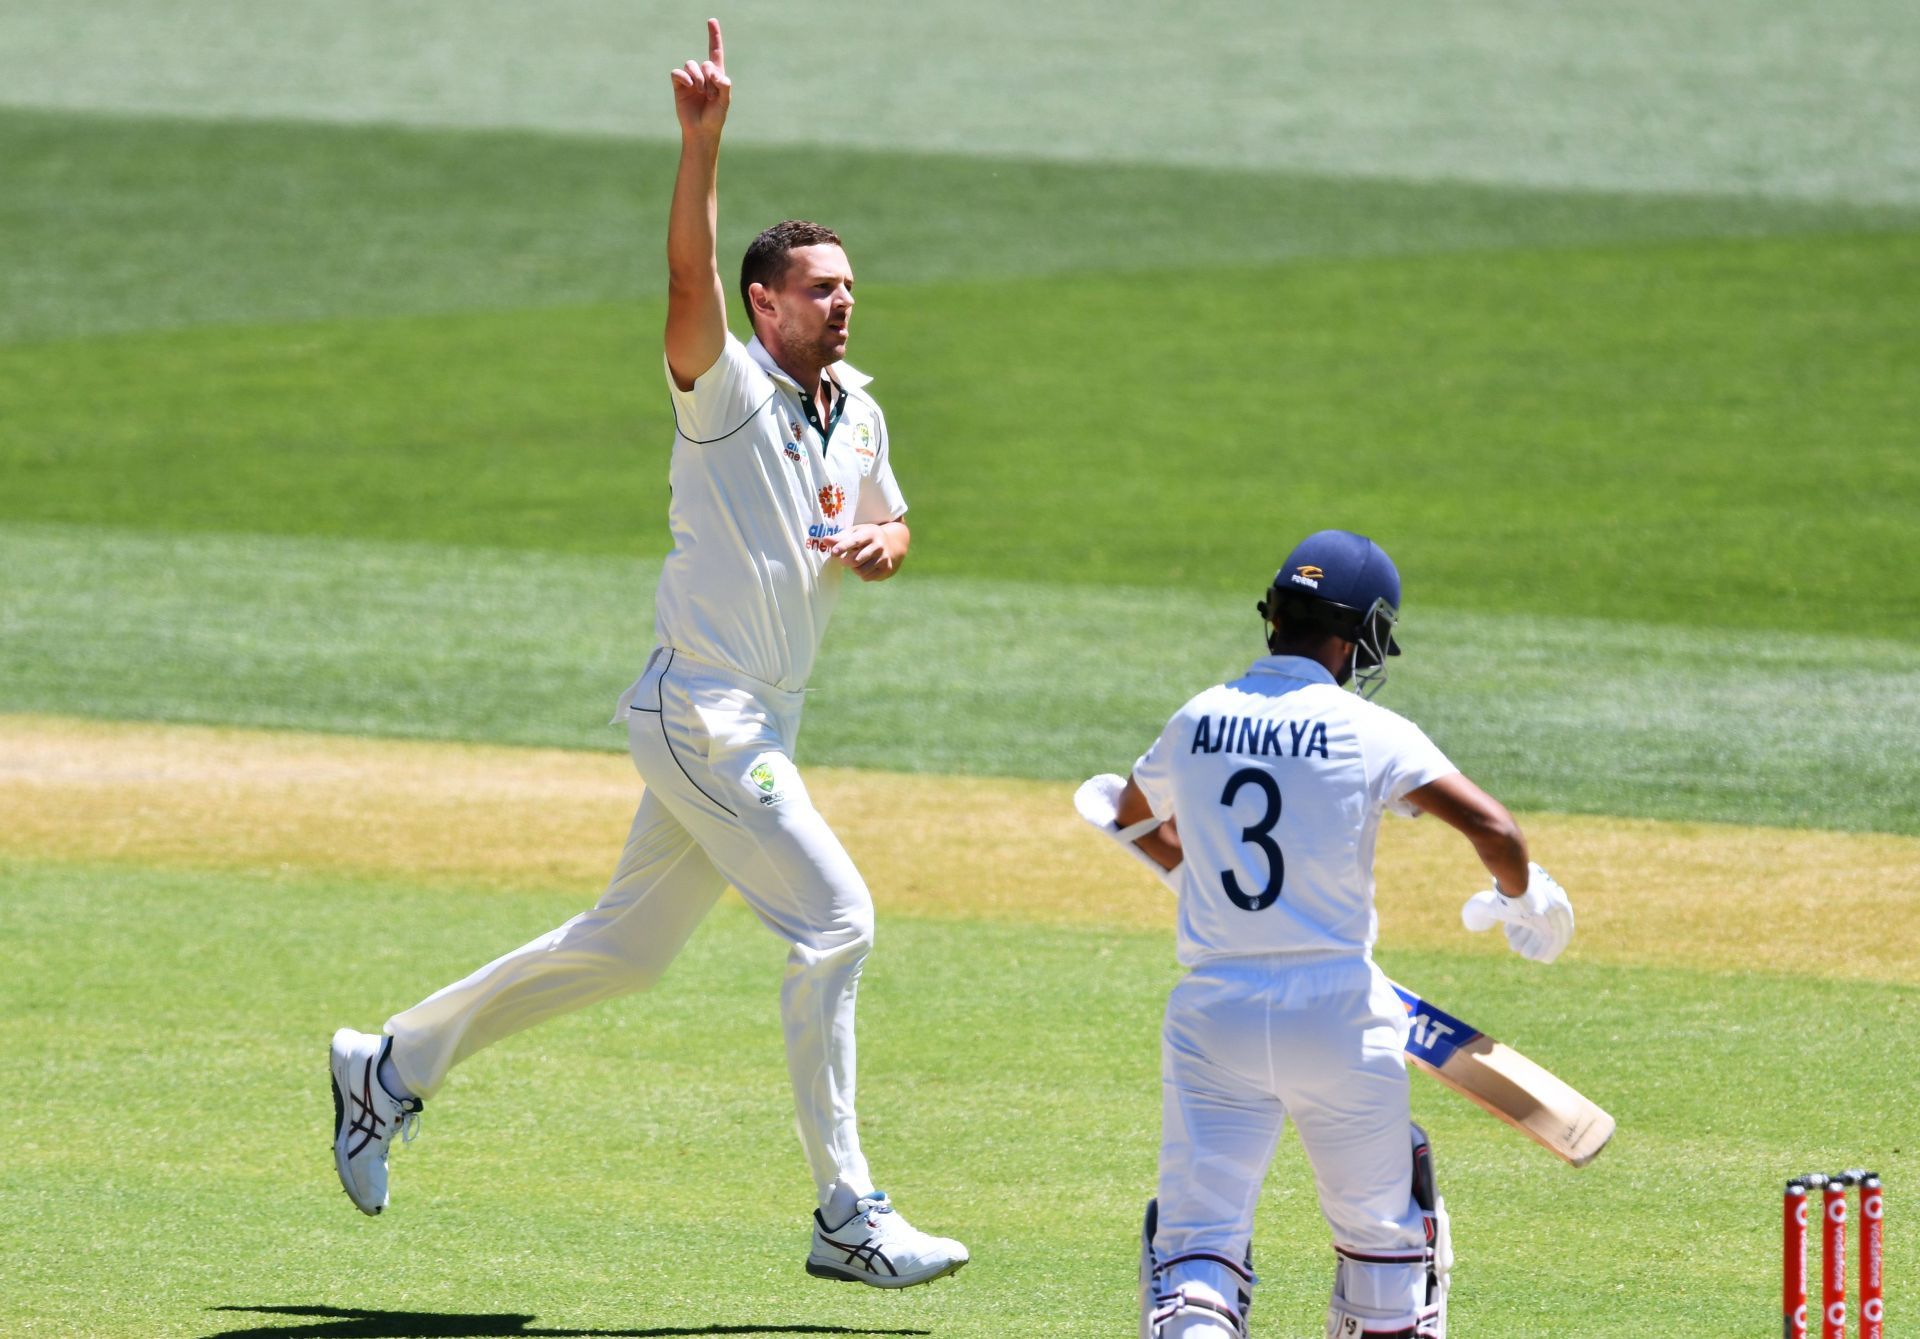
(269, 223)
(1006, 851)
(1761, 96)
(1709, 434)
(941, 675)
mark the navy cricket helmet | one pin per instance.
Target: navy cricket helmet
(1339, 582)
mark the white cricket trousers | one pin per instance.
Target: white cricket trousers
(1245, 1045)
(724, 804)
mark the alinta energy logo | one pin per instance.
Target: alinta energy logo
(832, 499)
(1308, 575)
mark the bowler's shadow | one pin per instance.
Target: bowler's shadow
(332, 1322)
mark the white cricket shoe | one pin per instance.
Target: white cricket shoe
(366, 1117)
(880, 1248)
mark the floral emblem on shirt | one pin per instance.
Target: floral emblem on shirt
(832, 499)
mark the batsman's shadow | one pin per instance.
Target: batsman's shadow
(332, 1322)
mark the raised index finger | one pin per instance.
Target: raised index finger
(714, 51)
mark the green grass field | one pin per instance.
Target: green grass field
(329, 401)
(605, 1175)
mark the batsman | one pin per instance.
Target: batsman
(1260, 802)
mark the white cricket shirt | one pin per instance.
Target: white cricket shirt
(1278, 781)
(758, 499)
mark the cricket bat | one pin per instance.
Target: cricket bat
(1505, 1083)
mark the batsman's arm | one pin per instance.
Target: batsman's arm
(1535, 910)
(1161, 844)
(696, 299)
(1482, 820)
(1097, 800)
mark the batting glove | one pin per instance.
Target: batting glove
(1098, 802)
(1539, 923)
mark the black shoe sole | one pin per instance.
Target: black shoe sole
(820, 1271)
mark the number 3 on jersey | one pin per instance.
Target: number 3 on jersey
(1260, 834)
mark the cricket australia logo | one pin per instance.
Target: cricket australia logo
(762, 776)
(832, 499)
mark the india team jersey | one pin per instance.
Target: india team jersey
(758, 499)
(1277, 781)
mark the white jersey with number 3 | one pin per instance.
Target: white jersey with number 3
(1278, 781)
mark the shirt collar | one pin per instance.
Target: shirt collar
(1294, 667)
(844, 374)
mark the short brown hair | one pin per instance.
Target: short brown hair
(768, 255)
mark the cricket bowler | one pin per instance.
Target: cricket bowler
(783, 482)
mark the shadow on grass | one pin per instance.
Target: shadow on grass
(331, 1322)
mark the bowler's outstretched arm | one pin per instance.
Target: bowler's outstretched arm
(696, 299)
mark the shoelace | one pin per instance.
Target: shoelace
(409, 1123)
(893, 1225)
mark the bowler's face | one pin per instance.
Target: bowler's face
(814, 302)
